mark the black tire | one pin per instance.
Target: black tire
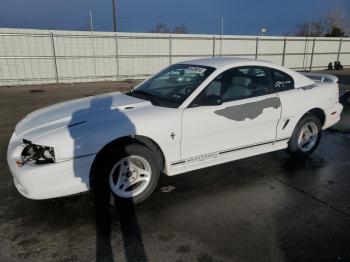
(345, 99)
(293, 146)
(109, 158)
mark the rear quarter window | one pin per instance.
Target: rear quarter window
(281, 81)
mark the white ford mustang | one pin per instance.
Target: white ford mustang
(191, 115)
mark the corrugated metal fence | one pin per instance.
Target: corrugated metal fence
(42, 56)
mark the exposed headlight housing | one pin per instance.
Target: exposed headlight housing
(37, 153)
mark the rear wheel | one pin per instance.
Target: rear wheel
(306, 137)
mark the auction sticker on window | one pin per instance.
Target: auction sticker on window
(196, 69)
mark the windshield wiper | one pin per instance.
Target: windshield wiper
(146, 94)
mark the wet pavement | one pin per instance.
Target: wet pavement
(264, 208)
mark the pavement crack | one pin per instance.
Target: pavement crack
(312, 197)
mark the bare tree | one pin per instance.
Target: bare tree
(180, 29)
(160, 28)
(313, 29)
(334, 24)
(336, 32)
(336, 18)
(163, 28)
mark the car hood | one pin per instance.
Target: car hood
(82, 110)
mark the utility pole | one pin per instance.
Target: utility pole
(91, 24)
(114, 16)
(222, 34)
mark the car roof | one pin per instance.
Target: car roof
(218, 62)
(227, 62)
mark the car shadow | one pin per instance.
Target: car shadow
(100, 119)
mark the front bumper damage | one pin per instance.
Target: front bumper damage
(48, 180)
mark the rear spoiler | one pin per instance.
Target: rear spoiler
(323, 78)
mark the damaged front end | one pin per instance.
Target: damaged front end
(37, 154)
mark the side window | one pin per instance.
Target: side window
(245, 82)
(281, 81)
(237, 83)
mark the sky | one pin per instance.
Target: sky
(243, 17)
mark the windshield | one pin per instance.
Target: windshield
(173, 85)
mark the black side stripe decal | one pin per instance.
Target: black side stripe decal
(245, 147)
(177, 163)
(236, 149)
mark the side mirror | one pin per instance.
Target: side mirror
(211, 100)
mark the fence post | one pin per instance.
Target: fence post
(93, 52)
(339, 49)
(257, 47)
(214, 40)
(170, 49)
(221, 44)
(284, 51)
(117, 54)
(312, 53)
(54, 56)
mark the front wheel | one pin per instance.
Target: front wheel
(129, 173)
(130, 176)
(306, 137)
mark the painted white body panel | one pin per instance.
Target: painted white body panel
(79, 129)
(52, 180)
(298, 101)
(217, 158)
(203, 131)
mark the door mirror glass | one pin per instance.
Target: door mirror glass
(211, 100)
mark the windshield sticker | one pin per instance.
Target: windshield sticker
(196, 69)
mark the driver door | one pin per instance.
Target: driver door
(248, 115)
